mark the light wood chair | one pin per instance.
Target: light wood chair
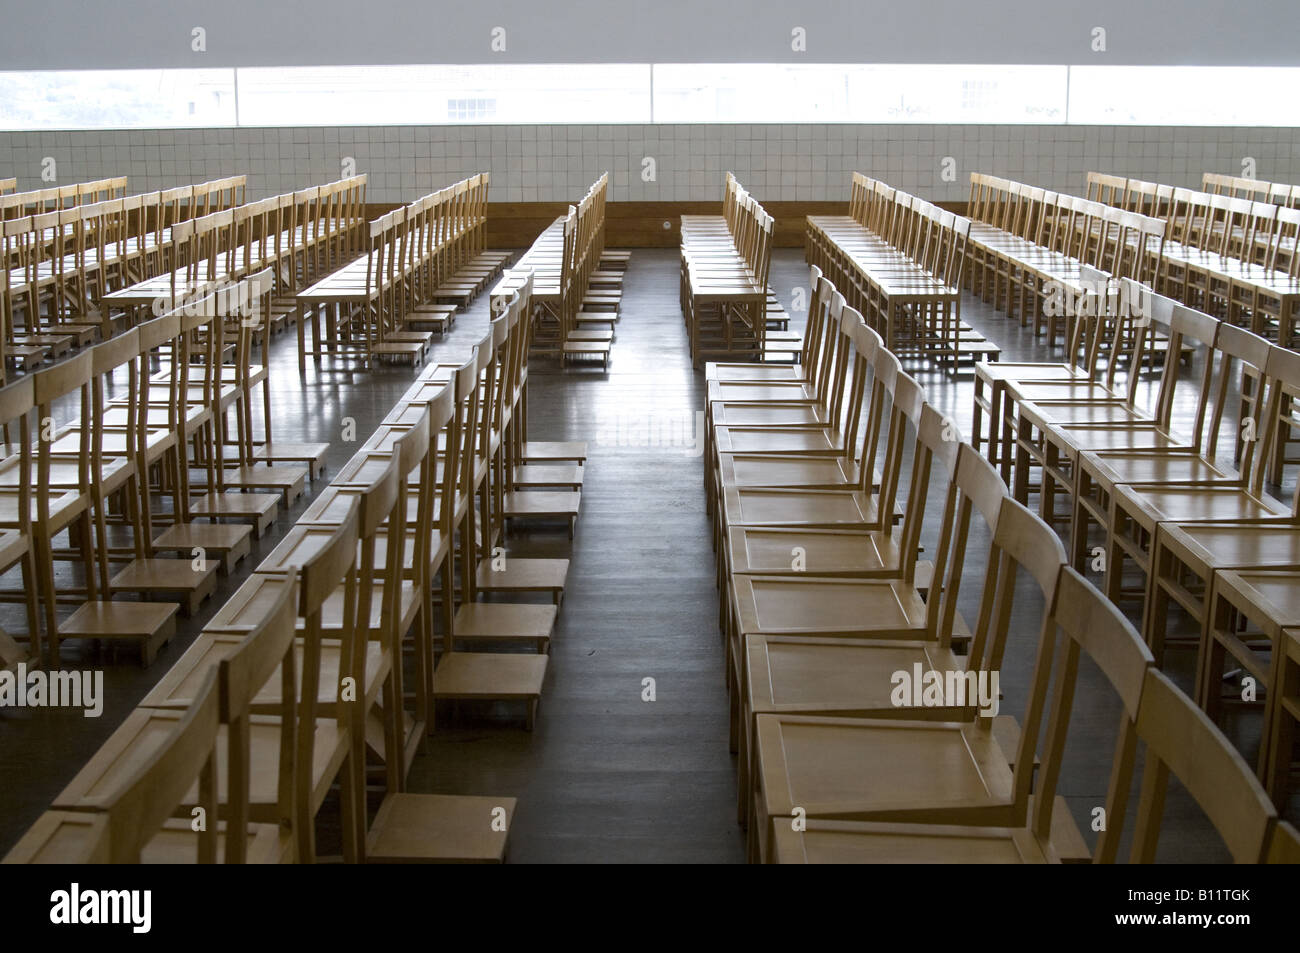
(17, 538)
(832, 456)
(753, 651)
(460, 674)
(914, 769)
(1250, 611)
(805, 367)
(322, 747)
(133, 813)
(1032, 826)
(1136, 508)
(1181, 741)
(64, 503)
(1286, 714)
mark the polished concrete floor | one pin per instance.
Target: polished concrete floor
(606, 775)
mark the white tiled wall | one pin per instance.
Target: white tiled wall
(556, 163)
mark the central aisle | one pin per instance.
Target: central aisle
(607, 776)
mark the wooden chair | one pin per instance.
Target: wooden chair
(395, 567)
(520, 497)
(805, 367)
(1285, 715)
(155, 432)
(64, 502)
(753, 642)
(481, 675)
(246, 658)
(1136, 508)
(1051, 434)
(1250, 611)
(753, 455)
(909, 769)
(899, 260)
(17, 537)
(371, 617)
(850, 507)
(131, 816)
(1185, 555)
(509, 473)
(1084, 336)
(322, 745)
(1027, 827)
(724, 280)
(1181, 741)
(815, 404)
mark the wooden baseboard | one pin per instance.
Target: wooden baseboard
(641, 224)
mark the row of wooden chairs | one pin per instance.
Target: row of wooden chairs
(128, 451)
(577, 282)
(298, 235)
(1230, 253)
(1027, 246)
(899, 261)
(263, 727)
(60, 261)
(15, 204)
(420, 264)
(725, 298)
(1256, 189)
(1167, 495)
(825, 605)
(594, 292)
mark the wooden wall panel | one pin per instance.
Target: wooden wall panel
(641, 224)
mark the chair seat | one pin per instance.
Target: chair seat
(440, 828)
(877, 768)
(828, 607)
(64, 506)
(761, 391)
(714, 371)
(143, 731)
(1066, 413)
(504, 621)
(1166, 503)
(489, 675)
(778, 440)
(558, 503)
(773, 414)
(849, 677)
(832, 509)
(776, 470)
(772, 551)
(1118, 467)
(847, 842)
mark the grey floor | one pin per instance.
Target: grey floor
(606, 776)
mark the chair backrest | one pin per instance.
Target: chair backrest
(937, 442)
(1021, 542)
(1230, 393)
(885, 368)
(241, 675)
(976, 487)
(137, 808)
(1284, 845)
(907, 404)
(17, 401)
(1089, 625)
(319, 577)
(1275, 400)
(49, 384)
(1181, 741)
